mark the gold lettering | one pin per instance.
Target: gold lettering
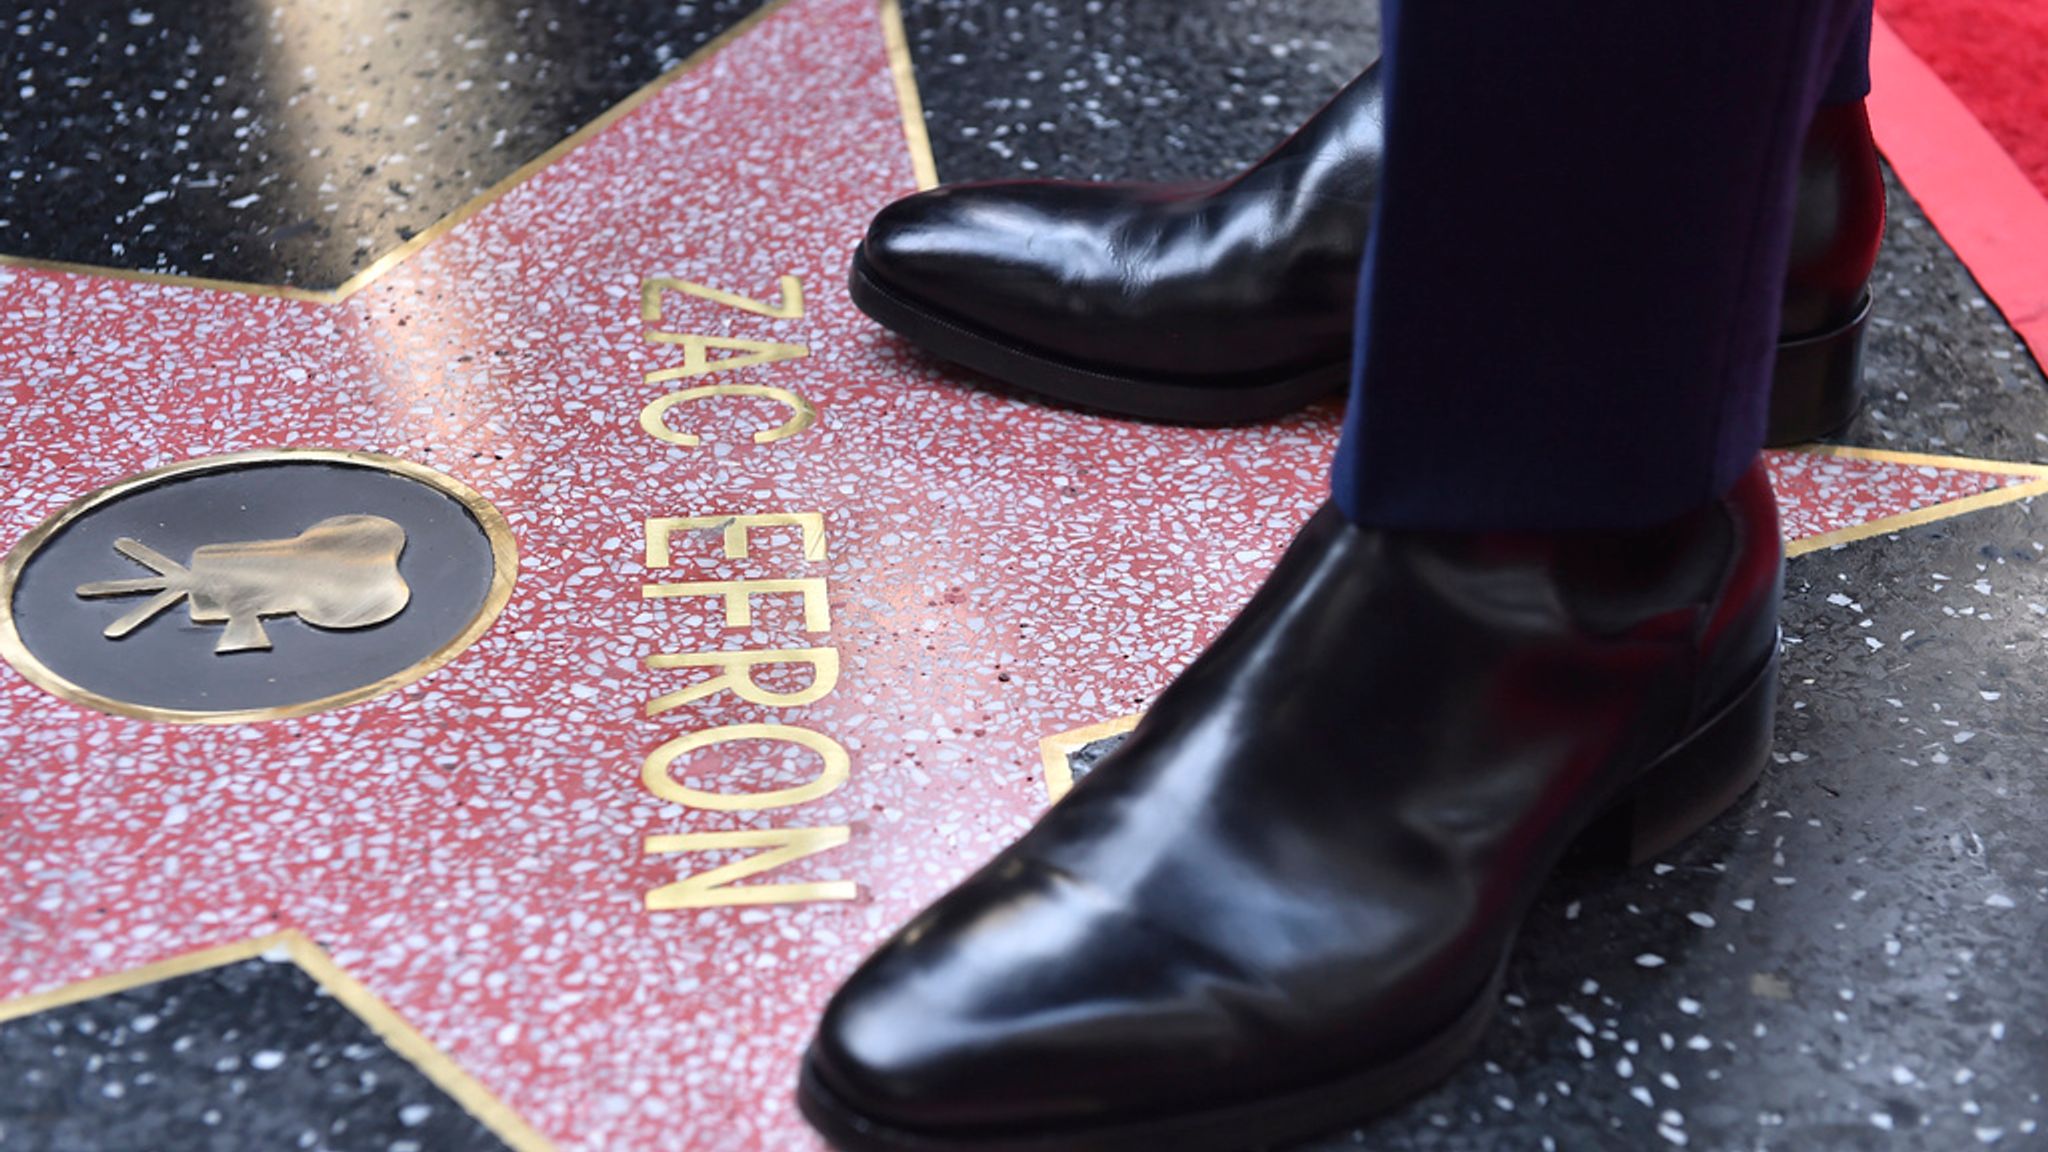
(768, 849)
(696, 363)
(660, 781)
(661, 528)
(792, 307)
(654, 418)
(738, 676)
(714, 889)
(739, 609)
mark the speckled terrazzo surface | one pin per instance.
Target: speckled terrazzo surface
(1123, 90)
(249, 1055)
(297, 143)
(1844, 962)
(1947, 374)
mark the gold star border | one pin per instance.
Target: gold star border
(910, 105)
(390, 1027)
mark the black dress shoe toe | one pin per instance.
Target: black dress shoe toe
(1030, 968)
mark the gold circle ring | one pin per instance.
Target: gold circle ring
(504, 574)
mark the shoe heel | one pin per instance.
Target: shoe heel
(1817, 383)
(1692, 784)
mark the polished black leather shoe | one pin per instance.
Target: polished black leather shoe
(1287, 900)
(1230, 302)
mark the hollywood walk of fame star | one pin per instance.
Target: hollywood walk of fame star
(472, 847)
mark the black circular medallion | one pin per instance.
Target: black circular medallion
(254, 586)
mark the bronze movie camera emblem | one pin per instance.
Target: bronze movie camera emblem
(340, 573)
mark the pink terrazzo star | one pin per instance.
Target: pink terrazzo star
(473, 848)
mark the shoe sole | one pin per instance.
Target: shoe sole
(1816, 381)
(1225, 400)
(1687, 787)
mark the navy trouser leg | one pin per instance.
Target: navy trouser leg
(1570, 300)
(1849, 78)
